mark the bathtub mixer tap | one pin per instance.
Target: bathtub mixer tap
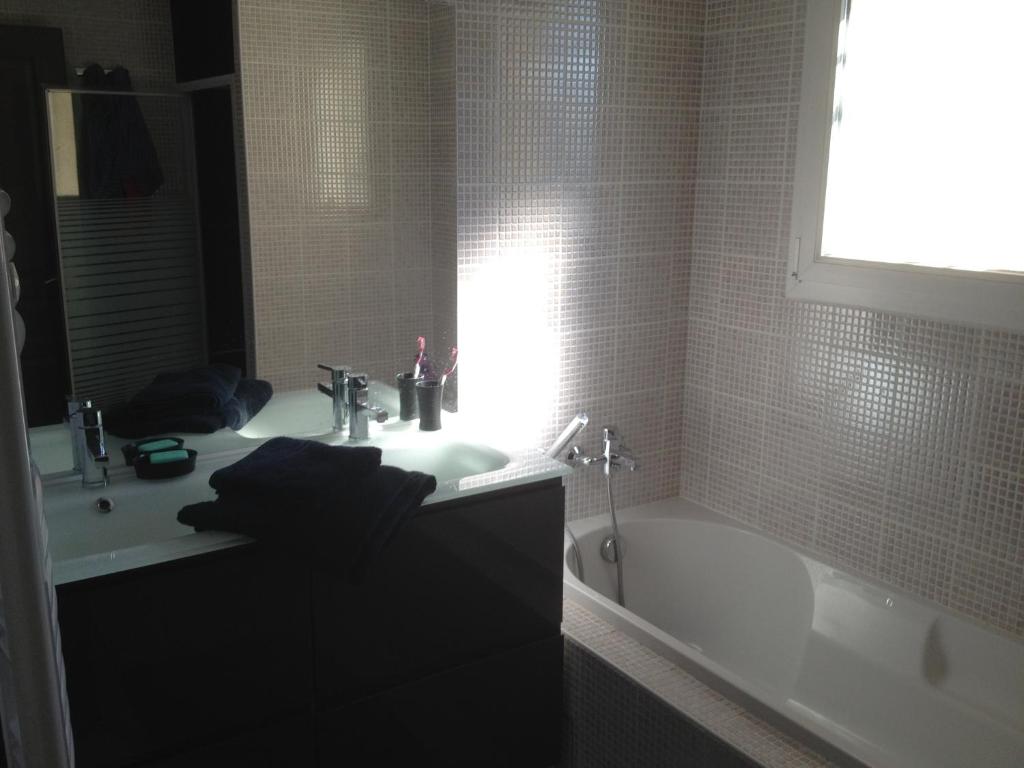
(614, 454)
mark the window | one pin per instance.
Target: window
(909, 186)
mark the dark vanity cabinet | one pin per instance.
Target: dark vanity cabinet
(449, 653)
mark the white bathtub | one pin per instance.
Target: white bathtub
(865, 673)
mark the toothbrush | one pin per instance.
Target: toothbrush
(453, 360)
(421, 343)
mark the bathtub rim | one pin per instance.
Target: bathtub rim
(818, 734)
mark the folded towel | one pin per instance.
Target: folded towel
(250, 397)
(133, 423)
(199, 400)
(333, 507)
(303, 470)
(207, 387)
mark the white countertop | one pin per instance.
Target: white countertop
(143, 530)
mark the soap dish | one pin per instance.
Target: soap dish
(132, 451)
(161, 465)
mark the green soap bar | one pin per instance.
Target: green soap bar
(156, 445)
(166, 457)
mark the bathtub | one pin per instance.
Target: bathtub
(866, 674)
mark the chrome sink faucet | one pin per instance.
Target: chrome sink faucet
(359, 409)
(337, 391)
(88, 443)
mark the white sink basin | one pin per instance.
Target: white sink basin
(447, 461)
(144, 511)
(295, 414)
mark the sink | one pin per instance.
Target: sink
(447, 461)
(307, 413)
(144, 512)
(295, 414)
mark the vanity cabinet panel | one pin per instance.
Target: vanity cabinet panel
(163, 658)
(460, 582)
(288, 742)
(448, 653)
(502, 712)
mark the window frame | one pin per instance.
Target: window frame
(977, 298)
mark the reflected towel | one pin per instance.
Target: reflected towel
(198, 400)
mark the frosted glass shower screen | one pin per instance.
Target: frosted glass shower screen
(128, 234)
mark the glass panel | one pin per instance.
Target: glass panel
(129, 240)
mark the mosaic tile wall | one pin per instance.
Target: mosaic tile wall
(336, 102)
(133, 33)
(610, 720)
(890, 445)
(577, 149)
(443, 180)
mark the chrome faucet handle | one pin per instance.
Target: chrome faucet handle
(616, 454)
(338, 375)
(336, 390)
(359, 393)
(334, 370)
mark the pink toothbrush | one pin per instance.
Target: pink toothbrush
(453, 360)
(421, 343)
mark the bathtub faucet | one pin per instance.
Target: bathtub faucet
(614, 454)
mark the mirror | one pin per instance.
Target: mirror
(343, 198)
(131, 262)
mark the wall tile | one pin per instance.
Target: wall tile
(352, 144)
(894, 445)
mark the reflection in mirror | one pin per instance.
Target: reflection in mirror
(344, 244)
(128, 235)
(351, 162)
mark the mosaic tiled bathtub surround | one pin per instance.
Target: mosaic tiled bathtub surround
(891, 445)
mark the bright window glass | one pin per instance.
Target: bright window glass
(926, 156)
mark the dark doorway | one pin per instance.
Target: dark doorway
(32, 58)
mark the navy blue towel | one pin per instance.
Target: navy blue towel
(198, 400)
(333, 507)
(304, 470)
(250, 397)
(206, 387)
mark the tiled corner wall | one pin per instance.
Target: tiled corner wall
(577, 138)
(891, 445)
(336, 105)
(443, 196)
(136, 35)
(576, 126)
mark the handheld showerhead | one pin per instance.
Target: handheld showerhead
(579, 421)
